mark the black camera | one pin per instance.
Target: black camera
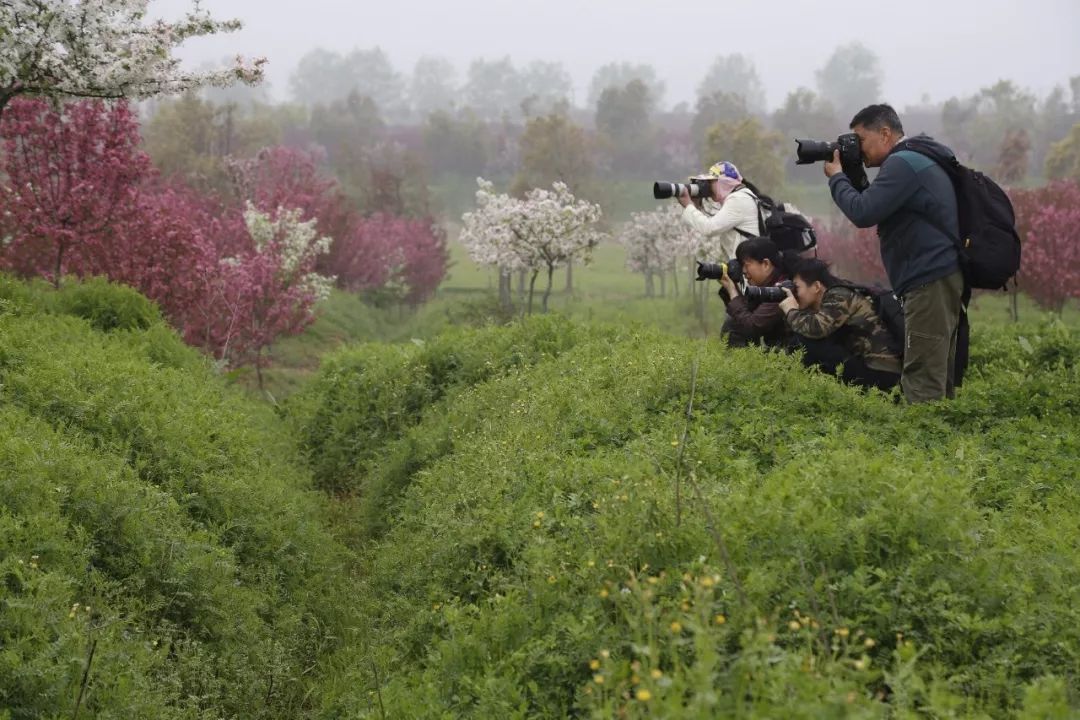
(696, 188)
(771, 293)
(716, 271)
(812, 151)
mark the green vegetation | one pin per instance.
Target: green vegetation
(161, 552)
(520, 521)
(555, 516)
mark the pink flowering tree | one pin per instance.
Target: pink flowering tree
(72, 183)
(424, 258)
(269, 290)
(854, 253)
(169, 251)
(401, 258)
(80, 198)
(1048, 220)
(383, 254)
(103, 49)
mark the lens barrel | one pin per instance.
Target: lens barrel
(812, 151)
(665, 190)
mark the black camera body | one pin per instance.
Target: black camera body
(770, 293)
(812, 151)
(696, 187)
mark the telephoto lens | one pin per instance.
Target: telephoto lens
(665, 190)
(696, 188)
(764, 294)
(812, 151)
(716, 271)
(770, 293)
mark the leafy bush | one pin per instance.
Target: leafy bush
(560, 548)
(107, 306)
(156, 534)
(367, 396)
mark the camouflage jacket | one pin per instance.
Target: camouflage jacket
(848, 318)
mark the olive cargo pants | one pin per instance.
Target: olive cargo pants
(931, 319)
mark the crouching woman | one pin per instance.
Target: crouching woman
(839, 330)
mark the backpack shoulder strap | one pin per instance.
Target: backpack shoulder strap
(952, 168)
(758, 203)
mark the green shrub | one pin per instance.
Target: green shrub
(365, 397)
(136, 483)
(867, 559)
(107, 306)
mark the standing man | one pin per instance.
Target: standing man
(913, 204)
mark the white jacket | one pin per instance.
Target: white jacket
(739, 210)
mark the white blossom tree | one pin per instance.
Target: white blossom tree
(655, 242)
(104, 49)
(546, 229)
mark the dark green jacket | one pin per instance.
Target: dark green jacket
(912, 202)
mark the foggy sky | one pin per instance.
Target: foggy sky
(938, 48)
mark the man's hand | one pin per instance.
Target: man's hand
(684, 197)
(728, 284)
(789, 303)
(833, 166)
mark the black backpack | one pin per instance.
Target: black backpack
(990, 251)
(783, 224)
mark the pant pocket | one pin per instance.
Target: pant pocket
(926, 372)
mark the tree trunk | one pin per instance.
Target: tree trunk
(1014, 302)
(258, 367)
(648, 283)
(59, 265)
(663, 284)
(521, 285)
(532, 285)
(504, 290)
(7, 94)
(570, 277)
(547, 290)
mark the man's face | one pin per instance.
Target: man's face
(875, 144)
(758, 273)
(808, 294)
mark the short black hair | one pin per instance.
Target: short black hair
(758, 248)
(813, 270)
(874, 117)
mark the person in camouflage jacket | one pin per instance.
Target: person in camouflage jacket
(837, 327)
